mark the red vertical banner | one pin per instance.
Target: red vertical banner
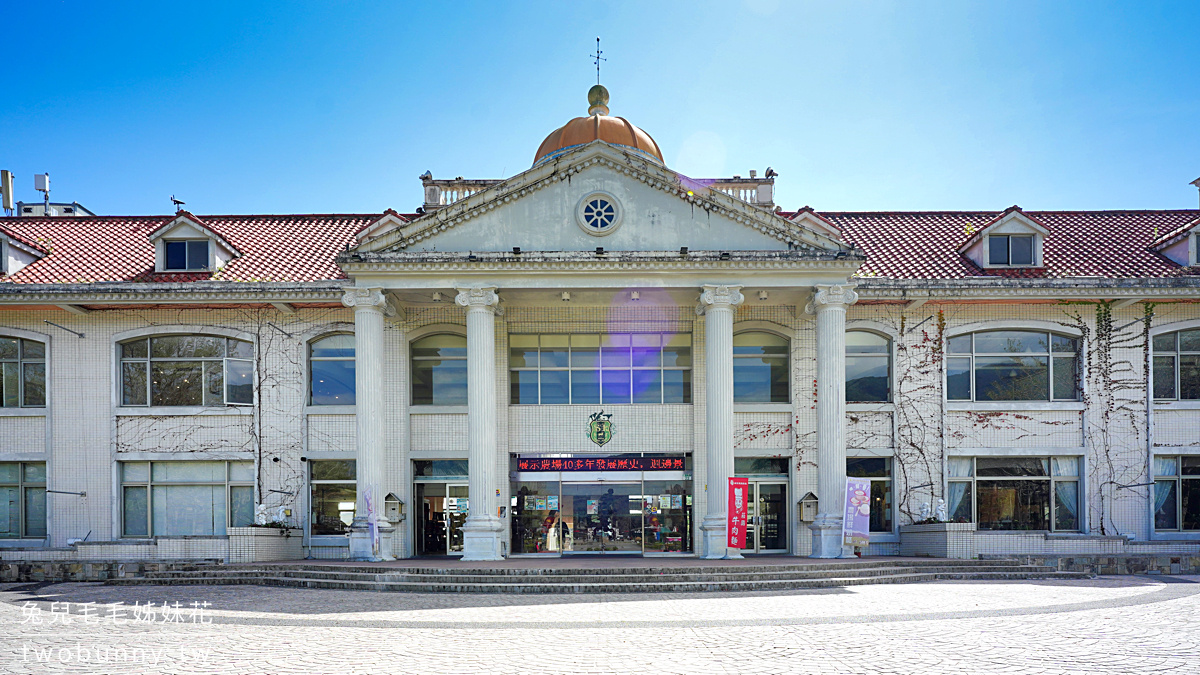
(739, 489)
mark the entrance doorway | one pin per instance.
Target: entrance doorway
(766, 525)
(443, 510)
(603, 517)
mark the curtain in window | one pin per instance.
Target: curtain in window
(1064, 466)
(1066, 514)
(1164, 466)
(1164, 505)
(958, 467)
(955, 492)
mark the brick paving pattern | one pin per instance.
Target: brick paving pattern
(1104, 625)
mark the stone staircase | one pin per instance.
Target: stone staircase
(697, 578)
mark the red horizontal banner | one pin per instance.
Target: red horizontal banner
(602, 464)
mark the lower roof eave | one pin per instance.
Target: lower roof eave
(1006, 288)
(193, 292)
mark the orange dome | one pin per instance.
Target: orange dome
(597, 126)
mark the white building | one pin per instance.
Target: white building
(577, 358)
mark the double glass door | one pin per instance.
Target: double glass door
(444, 508)
(766, 526)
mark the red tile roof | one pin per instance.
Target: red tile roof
(106, 248)
(925, 245)
(295, 248)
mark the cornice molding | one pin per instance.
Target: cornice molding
(1088, 288)
(587, 262)
(200, 292)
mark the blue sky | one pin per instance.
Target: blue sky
(318, 107)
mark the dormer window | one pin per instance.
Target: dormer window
(1011, 239)
(1010, 249)
(186, 255)
(188, 244)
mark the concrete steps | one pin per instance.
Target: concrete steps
(598, 580)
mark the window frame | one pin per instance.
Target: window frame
(23, 485)
(1050, 355)
(313, 482)
(599, 368)
(888, 353)
(1178, 479)
(1176, 356)
(890, 483)
(149, 484)
(413, 359)
(149, 360)
(1050, 478)
(1033, 252)
(787, 365)
(353, 359)
(22, 382)
(187, 242)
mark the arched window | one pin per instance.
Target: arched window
(1012, 365)
(1176, 365)
(868, 367)
(23, 368)
(331, 370)
(187, 370)
(439, 370)
(760, 368)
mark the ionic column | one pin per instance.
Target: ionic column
(830, 303)
(717, 305)
(366, 531)
(482, 531)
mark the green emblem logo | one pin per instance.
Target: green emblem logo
(600, 428)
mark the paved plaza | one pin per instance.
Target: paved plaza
(1104, 625)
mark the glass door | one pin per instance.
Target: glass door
(457, 508)
(602, 517)
(766, 526)
(443, 510)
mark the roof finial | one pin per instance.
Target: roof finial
(598, 95)
(597, 58)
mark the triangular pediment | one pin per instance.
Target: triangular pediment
(655, 209)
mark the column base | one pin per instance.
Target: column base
(716, 541)
(482, 539)
(363, 548)
(827, 538)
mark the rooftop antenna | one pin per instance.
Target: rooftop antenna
(41, 183)
(178, 203)
(597, 59)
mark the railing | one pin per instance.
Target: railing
(443, 193)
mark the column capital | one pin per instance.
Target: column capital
(831, 295)
(482, 297)
(715, 296)
(369, 298)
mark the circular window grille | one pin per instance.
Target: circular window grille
(598, 214)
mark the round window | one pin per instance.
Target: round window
(598, 214)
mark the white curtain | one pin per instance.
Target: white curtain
(1068, 497)
(1164, 490)
(958, 467)
(1164, 466)
(955, 491)
(1064, 466)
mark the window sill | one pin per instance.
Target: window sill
(183, 410)
(762, 407)
(22, 412)
(329, 410)
(870, 407)
(1014, 406)
(1177, 405)
(437, 410)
